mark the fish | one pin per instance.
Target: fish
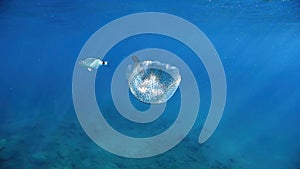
(92, 63)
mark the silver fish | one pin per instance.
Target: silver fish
(92, 63)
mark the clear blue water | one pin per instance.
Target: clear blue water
(258, 44)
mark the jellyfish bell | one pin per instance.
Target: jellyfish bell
(152, 82)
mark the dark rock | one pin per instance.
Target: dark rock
(39, 158)
(7, 151)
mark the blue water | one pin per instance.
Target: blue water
(258, 44)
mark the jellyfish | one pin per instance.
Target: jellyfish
(92, 63)
(152, 82)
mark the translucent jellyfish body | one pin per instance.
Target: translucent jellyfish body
(151, 81)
